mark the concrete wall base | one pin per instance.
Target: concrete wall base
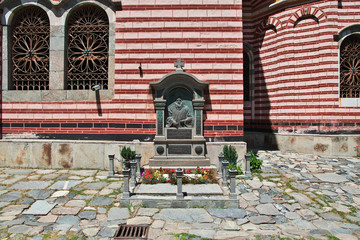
(39, 153)
(29, 153)
(341, 145)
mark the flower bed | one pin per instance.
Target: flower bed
(197, 176)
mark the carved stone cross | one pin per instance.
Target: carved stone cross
(179, 65)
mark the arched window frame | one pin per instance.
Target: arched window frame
(248, 50)
(29, 49)
(90, 70)
(341, 37)
(57, 13)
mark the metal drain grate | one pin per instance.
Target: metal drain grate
(132, 232)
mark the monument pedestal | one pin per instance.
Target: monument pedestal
(179, 148)
(179, 102)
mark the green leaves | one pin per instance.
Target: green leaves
(230, 154)
(255, 163)
(127, 154)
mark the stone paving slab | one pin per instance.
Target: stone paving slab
(190, 189)
(64, 185)
(40, 207)
(184, 215)
(297, 196)
(18, 171)
(26, 185)
(11, 196)
(331, 177)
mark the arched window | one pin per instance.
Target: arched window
(30, 42)
(87, 48)
(350, 67)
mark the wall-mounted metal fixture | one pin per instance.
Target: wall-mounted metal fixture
(96, 87)
(140, 71)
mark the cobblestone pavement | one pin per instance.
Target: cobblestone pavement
(296, 196)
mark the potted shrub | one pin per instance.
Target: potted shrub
(127, 154)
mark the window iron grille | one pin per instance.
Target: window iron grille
(350, 67)
(87, 51)
(30, 50)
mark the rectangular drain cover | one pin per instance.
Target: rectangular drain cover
(132, 232)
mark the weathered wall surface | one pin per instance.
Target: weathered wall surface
(297, 66)
(67, 154)
(342, 145)
(34, 153)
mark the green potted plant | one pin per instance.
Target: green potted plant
(127, 154)
(231, 156)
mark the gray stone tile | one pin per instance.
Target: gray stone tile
(20, 229)
(260, 219)
(265, 198)
(267, 209)
(64, 185)
(184, 215)
(87, 215)
(95, 186)
(116, 213)
(101, 201)
(31, 185)
(301, 198)
(40, 207)
(68, 219)
(18, 171)
(227, 213)
(202, 233)
(107, 232)
(331, 177)
(147, 212)
(351, 189)
(11, 196)
(331, 217)
(39, 194)
(12, 180)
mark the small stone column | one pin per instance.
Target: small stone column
(179, 174)
(111, 166)
(232, 174)
(126, 192)
(225, 165)
(138, 159)
(221, 159)
(247, 169)
(133, 172)
(160, 105)
(198, 114)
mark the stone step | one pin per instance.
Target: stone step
(213, 167)
(169, 189)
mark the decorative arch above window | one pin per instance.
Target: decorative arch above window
(30, 43)
(272, 23)
(87, 48)
(248, 72)
(314, 13)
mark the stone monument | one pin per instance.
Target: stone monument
(179, 103)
